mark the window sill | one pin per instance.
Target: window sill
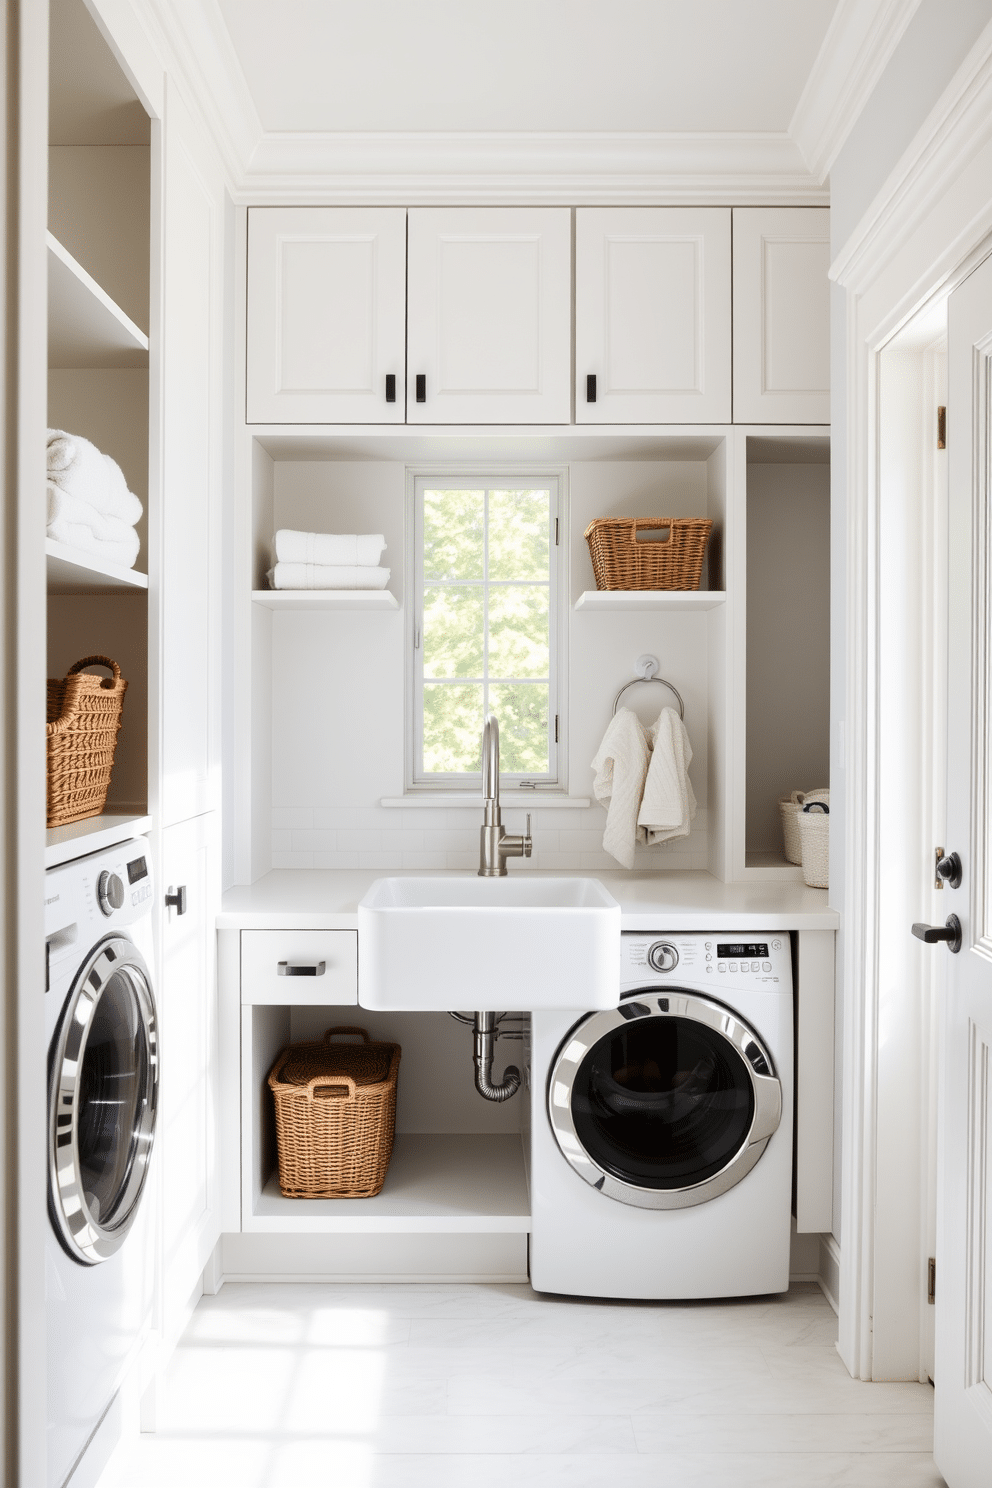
(535, 800)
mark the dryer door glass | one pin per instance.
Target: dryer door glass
(662, 1103)
(114, 1084)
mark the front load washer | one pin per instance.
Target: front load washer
(102, 1097)
(661, 1130)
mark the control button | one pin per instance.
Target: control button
(708, 944)
(722, 966)
(709, 968)
(755, 965)
(776, 945)
(110, 892)
(134, 898)
(733, 965)
(766, 966)
(709, 958)
(663, 956)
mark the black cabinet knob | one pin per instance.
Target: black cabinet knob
(950, 933)
(949, 869)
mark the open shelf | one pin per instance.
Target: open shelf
(669, 601)
(447, 1184)
(85, 327)
(74, 571)
(62, 844)
(325, 599)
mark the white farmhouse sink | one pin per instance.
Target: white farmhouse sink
(524, 942)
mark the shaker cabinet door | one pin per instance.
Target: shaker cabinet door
(652, 315)
(490, 313)
(781, 315)
(326, 315)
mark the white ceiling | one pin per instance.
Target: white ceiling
(607, 66)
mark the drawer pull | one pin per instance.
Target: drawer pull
(309, 968)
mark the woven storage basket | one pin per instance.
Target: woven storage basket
(335, 1116)
(790, 807)
(619, 561)
(84, 718)
(814, 829)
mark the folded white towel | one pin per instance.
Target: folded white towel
(78, 535)
(332, 550)
(63, 507)
(669, 803)
(621, 766)
(78, 467)
(324, 576)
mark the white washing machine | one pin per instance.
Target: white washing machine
(661, 1131)
(102, 1096)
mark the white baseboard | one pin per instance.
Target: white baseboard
(449, 1258)
(829, 1277)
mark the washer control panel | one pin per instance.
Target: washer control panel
(706, 958)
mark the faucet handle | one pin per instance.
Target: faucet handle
(527, 838)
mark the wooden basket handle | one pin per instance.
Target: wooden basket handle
(345, 1028)
(320, 1080)
(103, 661)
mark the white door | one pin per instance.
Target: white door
(489, 315)
(187, 1118)
(326, 315)
(652, 315)
(781, 315)
(963, 1353)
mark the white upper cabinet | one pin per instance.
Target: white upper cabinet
(489, 318)
(326, 315)
(781, 315)
(652, 315)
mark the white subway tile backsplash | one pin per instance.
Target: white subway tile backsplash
(437, 841)
(282, 839)
(292, 860)
(545, 841)
(462, 861)
(381, 862)
(357, 841)
(425, 862)
(399, 840)
(353, 817)
(334, 860)
(310, 840)
(287, 817)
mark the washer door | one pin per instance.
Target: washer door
(103, 1089)
(664, 1102)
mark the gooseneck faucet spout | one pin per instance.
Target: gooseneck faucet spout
(494, 845)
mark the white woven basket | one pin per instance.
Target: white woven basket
(814, 832)
(790, 807)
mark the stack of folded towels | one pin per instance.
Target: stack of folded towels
(89, 504)
(642, 778)
(327, 560)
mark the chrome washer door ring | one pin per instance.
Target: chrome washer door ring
(103, 1093)
(665, 1102)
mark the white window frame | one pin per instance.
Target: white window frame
(488, 477)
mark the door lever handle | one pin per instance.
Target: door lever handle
(949, 932)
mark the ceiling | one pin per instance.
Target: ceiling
(322, 66)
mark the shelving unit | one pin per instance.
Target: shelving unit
(96, 832)
(650, 601)
(86, 328)
(325, 599)
(74, 571)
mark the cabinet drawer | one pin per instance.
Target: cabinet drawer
(269, 959)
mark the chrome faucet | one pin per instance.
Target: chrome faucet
(494, 846)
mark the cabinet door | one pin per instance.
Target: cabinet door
(652, 315)
(186, 578)
(489, 320)
(326, 314)
(188, 1115)
(781, 315)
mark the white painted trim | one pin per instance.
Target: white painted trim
(855, 52)
(829, 1277)
(956, 128)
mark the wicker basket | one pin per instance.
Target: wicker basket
(84, 718)
(335, 1116)
(814, 830)
(790, 807)
(619, 561)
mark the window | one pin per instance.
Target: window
(486, 628)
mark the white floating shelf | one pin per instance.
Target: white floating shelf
(624, 600)
(325, 599)
(435, 1185)
(74, 571)
(85, 327)
(62, 844)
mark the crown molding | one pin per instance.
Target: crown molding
(859, 42)
(937, 161)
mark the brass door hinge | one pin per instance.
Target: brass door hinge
(938, 853)
(931, 1280)
(941, 426)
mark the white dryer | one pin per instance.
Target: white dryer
(661, 1131)
(102, 1096)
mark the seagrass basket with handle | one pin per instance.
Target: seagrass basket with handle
(335, 1110)
(619, 561)
(84, 719)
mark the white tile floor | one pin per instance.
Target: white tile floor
(403, 1386)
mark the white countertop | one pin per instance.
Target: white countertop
(299, 899)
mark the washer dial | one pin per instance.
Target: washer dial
(662, 956)
(110, 892)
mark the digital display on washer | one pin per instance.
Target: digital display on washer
(138, 868)
(743, 949)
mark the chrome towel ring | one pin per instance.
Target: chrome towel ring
(646, 666)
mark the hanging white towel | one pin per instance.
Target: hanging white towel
(621, 766)
(669, 803)
(322, 576)
(331, 550)
(77, 467)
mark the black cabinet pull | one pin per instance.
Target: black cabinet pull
(934, 934)
(390, 387)
(591, 388)
(421, 388)
(176, 899)
(309, 968)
